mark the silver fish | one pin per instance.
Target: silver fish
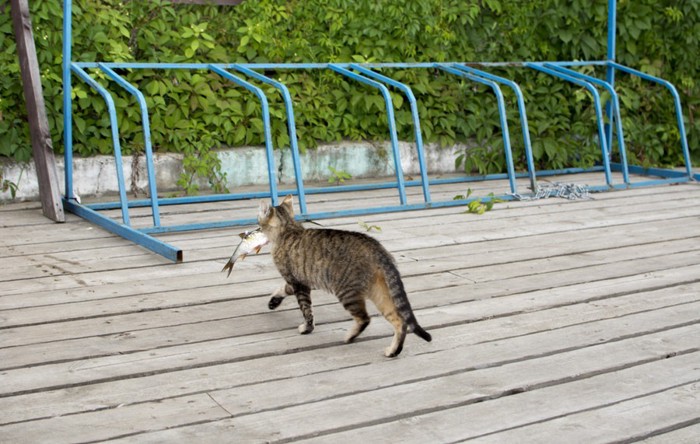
(253, 241)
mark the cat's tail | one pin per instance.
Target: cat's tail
(398, 295)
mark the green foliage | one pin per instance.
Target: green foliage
(8, 185)
(367, 227)
(478, 206)
(194, 112)
(338, 176)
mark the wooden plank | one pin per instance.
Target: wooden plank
(684, 435)
(493, 230)
(444, 274)
(449, 424)
(628, 420)
(42, 147)
(328, 202)
(179, 352)
(449, 395)
(13, 237)
(489, 252)
(100, 426)
(184, 217)
(533, 362)
(463, 356)
(506, 209)
(225, 358)
(120, 322)
(478, 311)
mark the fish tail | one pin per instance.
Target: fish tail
(229, 267)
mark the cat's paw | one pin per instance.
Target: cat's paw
(305, 328)
(275, 302)
(391, 352)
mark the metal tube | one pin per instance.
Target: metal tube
(316, 190)
(598, 111)
(146, 139)
(523, 117)
(416, 122)
(146, 241)
(291, 128)
(502, 115)
(331, 214)
(272, 177)
(610, 70)
(392, 124)
(67, 102)
(115, 137)
(676, 104)
(293, 66)
(615, 101)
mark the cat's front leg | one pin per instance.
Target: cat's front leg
(278, 295)
(303, 294)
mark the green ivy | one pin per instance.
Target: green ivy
(195, 112)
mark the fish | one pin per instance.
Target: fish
(253, 241)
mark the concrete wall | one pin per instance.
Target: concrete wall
(96, 176)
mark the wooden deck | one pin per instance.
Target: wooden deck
(552, 321)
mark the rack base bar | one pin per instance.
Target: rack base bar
(166, 250)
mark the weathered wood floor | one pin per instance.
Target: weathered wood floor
(552, 321)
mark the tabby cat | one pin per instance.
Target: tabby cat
(353, 266)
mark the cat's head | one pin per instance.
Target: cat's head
(273, 220)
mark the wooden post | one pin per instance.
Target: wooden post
(42, 147)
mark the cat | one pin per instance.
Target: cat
(353, 266)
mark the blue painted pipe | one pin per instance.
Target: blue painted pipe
(115, 137)
(166, 250)
(501, 114)
(523, 117)
(598, 111)
(67, 101)
(272, 177)
(677, 106)
(614, 114)
(329, 214)
(308, 66)
(391, 121)
(291, 128)
(610, 70)
(416, 122)
(153, 191)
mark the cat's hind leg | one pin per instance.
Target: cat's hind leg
(278, 295)
(356, 307)
(381, 297)
(303, 294)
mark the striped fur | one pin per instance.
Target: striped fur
(353, 266)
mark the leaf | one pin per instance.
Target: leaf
(243, 43)
(239, 135)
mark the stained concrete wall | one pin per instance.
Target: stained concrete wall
(96, 176)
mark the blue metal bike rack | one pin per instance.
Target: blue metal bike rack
(501, 114)
(371, 75)
(145, 121)
(602, 139)
(401, 185)
(521, 112)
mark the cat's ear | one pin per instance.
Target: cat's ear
(288, 203)
(264, 211)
